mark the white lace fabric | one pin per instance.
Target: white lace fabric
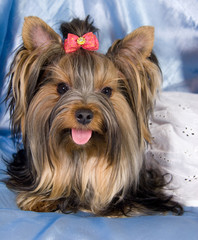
(174, 128)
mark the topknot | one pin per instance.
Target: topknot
(78, 27)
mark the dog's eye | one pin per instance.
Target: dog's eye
(107, 91)
(62, 88)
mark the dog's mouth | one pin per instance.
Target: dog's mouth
(80, 136)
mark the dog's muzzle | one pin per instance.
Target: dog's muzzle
(84, 117)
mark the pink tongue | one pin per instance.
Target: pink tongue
(81, 137)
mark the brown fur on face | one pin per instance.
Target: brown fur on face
(107, 174)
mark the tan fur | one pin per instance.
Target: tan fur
(62, 167)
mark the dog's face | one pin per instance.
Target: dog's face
(79, 104)
(83, 116)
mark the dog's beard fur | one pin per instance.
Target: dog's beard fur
(107, 175)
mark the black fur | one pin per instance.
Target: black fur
(21, 175)
(78, 27)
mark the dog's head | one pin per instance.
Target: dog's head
(83, 115)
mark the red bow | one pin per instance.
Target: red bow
(88, 41)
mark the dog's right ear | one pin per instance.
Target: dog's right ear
(36, 33)
(27, 68)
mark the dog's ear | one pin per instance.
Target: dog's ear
(138, 43)
(140, 72)
(36, 33)
(41, 46)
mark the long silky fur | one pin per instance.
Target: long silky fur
(108, 176)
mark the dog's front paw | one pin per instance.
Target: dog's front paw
(39, 205)
(45, 206)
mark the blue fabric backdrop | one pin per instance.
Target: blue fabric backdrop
(176, 45)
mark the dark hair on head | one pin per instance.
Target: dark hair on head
(78, 27)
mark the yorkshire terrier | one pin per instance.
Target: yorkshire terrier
(83, 119)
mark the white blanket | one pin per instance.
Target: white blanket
(174, 128)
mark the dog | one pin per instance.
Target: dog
(83, 120)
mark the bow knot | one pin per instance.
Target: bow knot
(88, 41)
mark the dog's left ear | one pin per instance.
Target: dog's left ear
(139, 71)
(36, 33)
(139, 42)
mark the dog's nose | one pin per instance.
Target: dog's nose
(84, 116)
